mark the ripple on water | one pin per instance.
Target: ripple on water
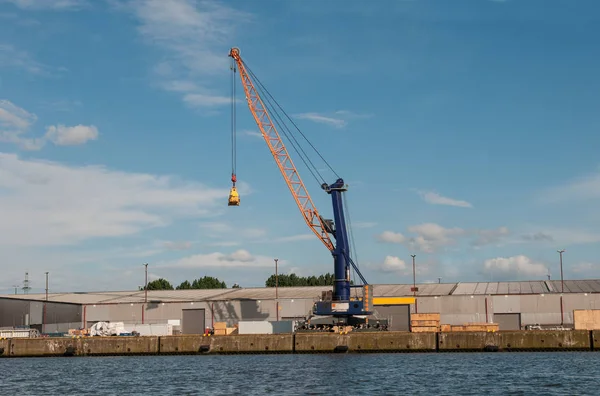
(362, 374)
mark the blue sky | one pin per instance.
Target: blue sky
(467, 131)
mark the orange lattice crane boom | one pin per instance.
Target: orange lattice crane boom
(280, 154)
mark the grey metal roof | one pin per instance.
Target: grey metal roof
(425, 289)
(314, 292)
(481, 288)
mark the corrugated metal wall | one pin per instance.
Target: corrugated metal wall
(230, 312)
(453, 310)
(14, 312)
(534, 309)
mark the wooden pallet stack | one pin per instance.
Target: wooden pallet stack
(425, 322)
(220, 328)
(485, 327)
(586, 319)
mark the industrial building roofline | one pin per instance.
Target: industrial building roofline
(313, 292)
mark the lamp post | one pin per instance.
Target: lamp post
(277, 289)
(45, 305)
(562, 281)
(414, 288)
(145, 291)
(562, 288)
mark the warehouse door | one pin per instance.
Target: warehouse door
(398, 316)
(192, 321)
(508, 321)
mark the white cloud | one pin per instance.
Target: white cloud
(436, 199)
(391, 237)
(14, 58)
(47, 203)
(588, 269)
(338, 119)
(172, 245)
(393, 264)
(194, 35)
(516, 265)
(240, 258)
(321, 119)
(430, 237)
(539, 237)
(201, 100)
(580, 189)
(252, 133)
(14, 117)
(489, 237)
(562, 236)
(49, 4)
(15, 122)
(71, 136)
(223, 243)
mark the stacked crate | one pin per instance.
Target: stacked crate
(220, 328)
(586, 319)
(425, 322)
(485, 327)
(78, 332)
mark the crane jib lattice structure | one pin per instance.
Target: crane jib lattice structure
(339, 303)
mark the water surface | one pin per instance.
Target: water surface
(523, 373)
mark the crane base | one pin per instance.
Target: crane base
(340, 308)
(328, 324)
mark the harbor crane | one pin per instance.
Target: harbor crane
(339, 304)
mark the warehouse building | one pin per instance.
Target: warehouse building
(514, 305)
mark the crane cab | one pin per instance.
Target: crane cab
(234, 197)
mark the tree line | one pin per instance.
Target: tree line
(206, 282)
(209, 282)
(285, 280)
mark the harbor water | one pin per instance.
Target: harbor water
(548, 373)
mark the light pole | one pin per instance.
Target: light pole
(145, 291)
(562, 288)
(562, 281)
(45, 305)
(414, 288)
(276, 289)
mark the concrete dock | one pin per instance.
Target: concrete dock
(375, 342)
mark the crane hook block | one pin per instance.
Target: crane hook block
(234, 197)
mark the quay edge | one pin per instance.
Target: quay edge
(371, 342)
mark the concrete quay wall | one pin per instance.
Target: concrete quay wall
(507, 341)
(576, 340)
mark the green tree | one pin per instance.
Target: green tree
(208, 282)
(185, 285)
(236, 286)
(288, 280)
(159, 284)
